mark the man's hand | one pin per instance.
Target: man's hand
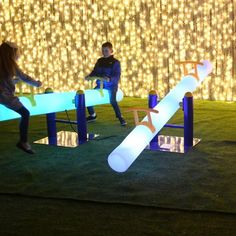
(39, 83)
(16, 80)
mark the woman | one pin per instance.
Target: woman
(10, 74)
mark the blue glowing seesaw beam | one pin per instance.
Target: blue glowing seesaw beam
(56, 102)
(125, 154)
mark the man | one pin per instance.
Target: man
(108, 68)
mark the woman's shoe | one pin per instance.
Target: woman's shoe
(25, 147)
(122, 121)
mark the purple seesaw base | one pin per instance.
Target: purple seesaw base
(66, 139)
(165, 143)
(175, 144)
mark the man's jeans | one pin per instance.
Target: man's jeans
(113, 102)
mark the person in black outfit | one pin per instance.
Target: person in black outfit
(109, 69)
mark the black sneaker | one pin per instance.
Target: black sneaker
(91, 118)
(25, 147)
(122, 121)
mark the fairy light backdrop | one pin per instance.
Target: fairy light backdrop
(61, 41)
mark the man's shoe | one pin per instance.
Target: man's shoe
(122, 121)
(25, 147)
(91, 118)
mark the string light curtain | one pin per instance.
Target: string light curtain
(61, 40)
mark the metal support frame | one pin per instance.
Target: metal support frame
(158, 142)
(58, 139)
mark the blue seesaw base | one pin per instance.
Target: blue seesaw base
(171, 144)
(66, 139)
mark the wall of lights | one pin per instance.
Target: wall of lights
(61, 40)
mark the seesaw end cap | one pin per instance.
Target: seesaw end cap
(80, 91)
(188, 94)
(48, 90)
(153, 92)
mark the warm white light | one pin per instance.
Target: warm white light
(61, 41)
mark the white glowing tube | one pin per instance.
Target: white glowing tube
(56, 102)
(125, 154)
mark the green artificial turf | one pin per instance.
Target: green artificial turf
(26, 216)
(201, 180)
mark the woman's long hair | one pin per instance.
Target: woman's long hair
(8, 66)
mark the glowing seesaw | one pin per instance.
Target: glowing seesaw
(125, 154)
(57, 102)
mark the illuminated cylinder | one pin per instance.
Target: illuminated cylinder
(125, 154)
(56, 102)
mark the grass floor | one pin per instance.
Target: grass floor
(61, 191)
